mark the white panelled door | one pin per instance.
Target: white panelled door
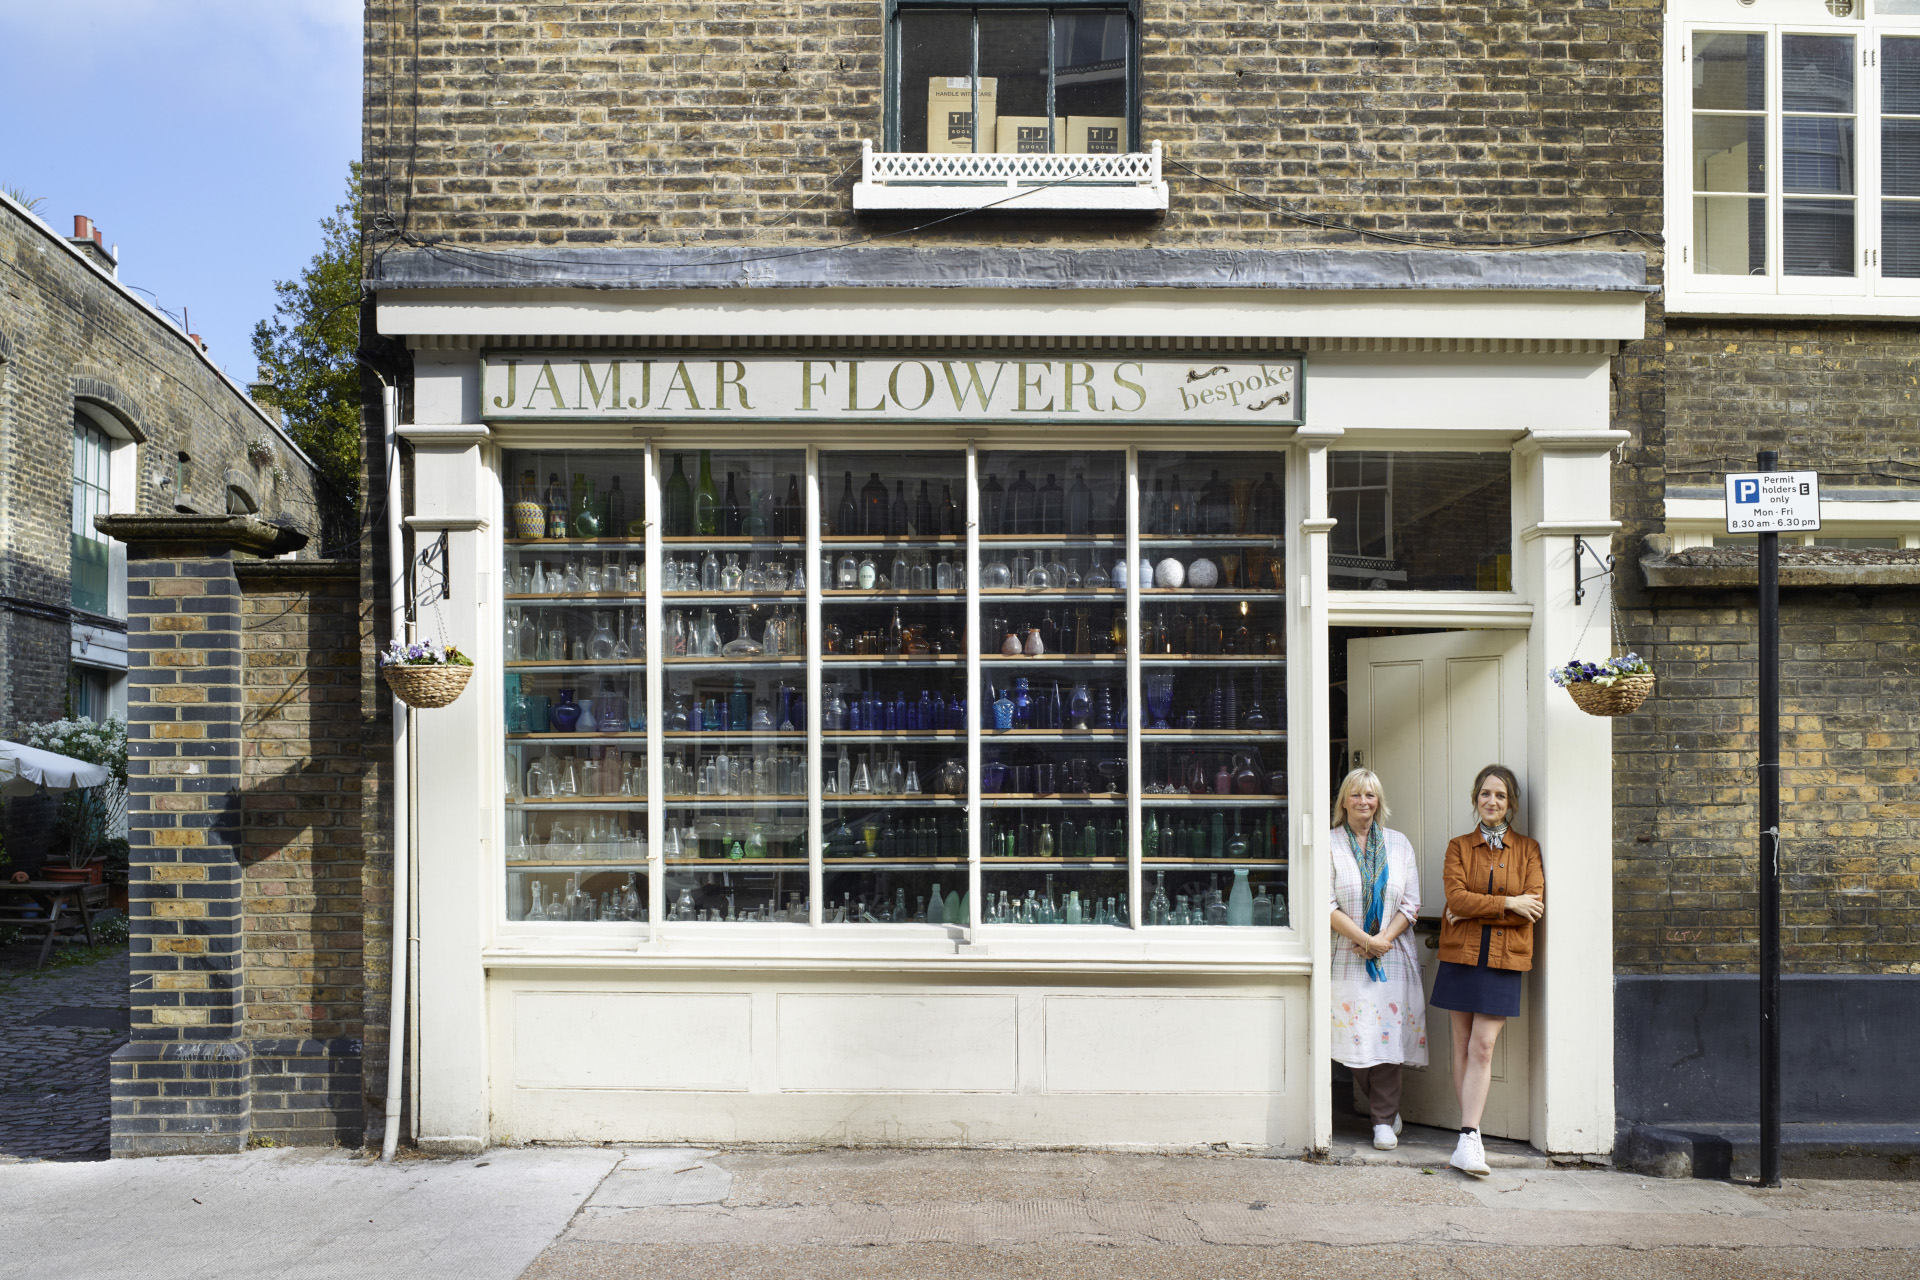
(1425, 712)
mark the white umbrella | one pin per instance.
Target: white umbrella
(25, 770)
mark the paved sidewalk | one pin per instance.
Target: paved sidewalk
(595, 1213)
(59, 1027)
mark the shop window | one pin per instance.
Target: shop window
(748, 816)
(92, 557)
(1420, 521)
(1013, 81)
(1801, 152)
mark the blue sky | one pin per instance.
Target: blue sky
(207, 137)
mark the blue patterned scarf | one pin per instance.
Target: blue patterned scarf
(1372, 860)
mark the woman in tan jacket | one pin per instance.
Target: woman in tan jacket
(1496, 890)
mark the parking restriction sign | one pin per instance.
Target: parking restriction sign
(1773, 502)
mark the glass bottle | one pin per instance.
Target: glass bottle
(614, 511)
(898, 572)
(610, 709)
(679, 502)
(923, 522)
(600, 644)
(732, 517)
(731, 576)
(873, 507)
(706, 500)
(868, 574)
(1080, 708)
(586, 512)
(1022, 515)
(993, 499)
(556, 506)
(897, 514)
(563, 715)
(947, 518)
(1079, 506)
(846, 514)
(1050, 507)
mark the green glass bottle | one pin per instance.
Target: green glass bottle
(588, 522)
(679, 502)
(706, 499)
(955, 913)
(582, 498)
(1150, 838)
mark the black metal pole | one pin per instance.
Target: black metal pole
(1769, 849)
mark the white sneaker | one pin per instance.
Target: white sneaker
(1383, 1139)
(1469, 1156)
(1396, 1124)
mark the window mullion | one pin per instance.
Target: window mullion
(973, 75)
(1053, 125)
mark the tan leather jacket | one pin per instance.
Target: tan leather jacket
(1516, 872)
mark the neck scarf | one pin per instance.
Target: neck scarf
(1372, 859)
(1496, 835)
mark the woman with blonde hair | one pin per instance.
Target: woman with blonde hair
(1379, 1017)
(1496, 890)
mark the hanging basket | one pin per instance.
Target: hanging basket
(1622, 697)
(426, 684)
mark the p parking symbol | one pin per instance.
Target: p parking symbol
(1746, 491)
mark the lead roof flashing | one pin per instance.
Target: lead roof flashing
(1320, 270)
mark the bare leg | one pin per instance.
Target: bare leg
(1462, 1027)
(1479, 1068)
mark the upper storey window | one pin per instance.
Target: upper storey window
(1795, 159)
(1014, 81)
(1012, 107)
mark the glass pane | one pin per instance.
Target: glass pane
(893, 708)
(1900, 240)
(1213, 674)
(574, 688)
(1816, 237)
(1729, 71)
(936, 57)
(1816, 73)
(733, 644)
(1441, 522)
(1900, 76)
(1816, 155)
(1900, 157)
(1730, 153)
(1013, 54)
(1729, 236)
(1053, 638)
(1090, 52)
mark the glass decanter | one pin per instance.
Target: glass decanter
(731, 577)
(600, 643)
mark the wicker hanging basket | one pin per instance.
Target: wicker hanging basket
(426, 684)
(1622, 697)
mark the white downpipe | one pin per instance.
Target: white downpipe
(402, 783)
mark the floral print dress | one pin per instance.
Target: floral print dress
(1378, 1022)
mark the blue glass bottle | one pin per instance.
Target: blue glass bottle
(1022, 704)
(923, 718)
(563, 715)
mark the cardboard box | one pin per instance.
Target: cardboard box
(950, 112)
(1100, 135)
(1023, 135)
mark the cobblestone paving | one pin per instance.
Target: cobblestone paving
(53, 1079)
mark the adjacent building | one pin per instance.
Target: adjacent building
(106, 407)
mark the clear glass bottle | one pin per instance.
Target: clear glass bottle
(1157, 912)
(731, 577)
(600, 644)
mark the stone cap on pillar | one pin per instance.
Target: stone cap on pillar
(202, 535)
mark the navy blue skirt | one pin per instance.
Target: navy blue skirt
(1477, 988)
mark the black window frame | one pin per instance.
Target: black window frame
(891, 129)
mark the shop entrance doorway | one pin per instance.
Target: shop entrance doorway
(1425, 712)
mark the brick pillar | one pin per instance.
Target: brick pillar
(181, 1084)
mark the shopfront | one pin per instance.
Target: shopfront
(928, 739)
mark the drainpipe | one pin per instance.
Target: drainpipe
(401, 954)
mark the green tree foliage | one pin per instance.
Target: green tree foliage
(306, 350)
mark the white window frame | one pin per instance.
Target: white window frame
(1866, 294)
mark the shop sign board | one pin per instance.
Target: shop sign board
(601, 387)
(1773, 502)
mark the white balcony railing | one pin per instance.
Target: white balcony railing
(909, 180)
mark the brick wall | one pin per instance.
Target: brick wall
(626, 123)
(301, 866)
(1701, 398)
(246, 877)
